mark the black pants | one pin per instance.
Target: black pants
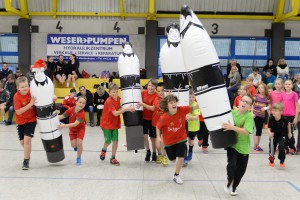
(203, 134)
(259, 124)
(236, 167)
(99, 115)
(291, 142)
(280, 141)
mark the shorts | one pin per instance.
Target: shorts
(77, 135)
(192, 134)
(148, 128)
(176, 150)
(26, 129)
(110, 135)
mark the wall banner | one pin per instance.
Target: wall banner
(87, 48)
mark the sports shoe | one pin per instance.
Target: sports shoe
(159, 159)
(4, 122)
(292, 151)
(185, 162)
(271, 164)
(190, 156)
(282, 165)
(177, 179)
(165, 161)
(92, 124)
(200, 143)
(204, 149)
(103, 154)
(8, 123)
(258, 148)
(154, 157)
(227, 190)
(114, 161)
(78, 161)
(75, 148)
(25, 165)
(234, 193)
(148, 155)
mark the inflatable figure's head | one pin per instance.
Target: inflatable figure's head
(127, 48)
(188, 18)
(173, 31)
(38, 69)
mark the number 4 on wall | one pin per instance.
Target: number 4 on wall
(116, 27)
(58, 26)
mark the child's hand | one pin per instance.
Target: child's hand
(227, 126)
(54, 98)
(295, 121)
(271, 135)
(33, 100)
(130, 109)
(139, 104)
(253, 115)
(61, 126)
(290, 136)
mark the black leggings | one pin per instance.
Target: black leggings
(203, 134)
(291, 142)
(259, 124)
(280, 141)
(236, 167)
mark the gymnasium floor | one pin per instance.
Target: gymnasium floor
(204, 178)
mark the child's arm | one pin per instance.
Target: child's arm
(119, 112)
(194, 117)
(297, 113)
(27, 107)
(61, 126)
(270, 133)
(289, 131)
(60, 117)
(158, 138)
(54, 97)
(228, 126)
(148, 107)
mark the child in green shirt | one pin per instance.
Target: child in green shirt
(238, 154)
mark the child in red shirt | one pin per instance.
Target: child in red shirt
(25, 117)
(68, 102)
(172, 127)
(77, 126)
(251, 88)
(243, 90)
(110, 122)
(148, 97)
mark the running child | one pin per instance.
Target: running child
(76, 125)
(111, 122)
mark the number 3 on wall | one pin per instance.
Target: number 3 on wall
(215, 26)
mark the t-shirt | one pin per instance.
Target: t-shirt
(256, 79)
(69, 102)
(252, 90)
(259, 103)
(288, 101)
(108, 120)
(194, 125)
(237, 101)
(21, 101)
(157, 112)
(148, 99)
(173, 127)
(275, 97)
(280, 127)
(73, 116)
(247, 122)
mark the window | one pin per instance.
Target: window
(9, 50)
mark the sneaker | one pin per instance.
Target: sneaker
(258, 148)
(234, 193)
(75, 148)
(227, 190)
(154, 157)
(292, 151)
(148, 155)
(165, 161)
(159, 159)
(185, 162)
(200, 143)
(204, 149)
(190, 156)
(271, 164)
(92, 124)
(8, 123)
(78, 161)
(177, 179)
(114, 161)
(102, 155)
(4, 122)
(25, 165)
(282, 165)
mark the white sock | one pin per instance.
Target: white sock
(74, 85)
(68, 84)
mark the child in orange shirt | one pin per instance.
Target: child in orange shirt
(251, 88)
(76, 116)
(111, 122)
(243, 90)
(25, 117)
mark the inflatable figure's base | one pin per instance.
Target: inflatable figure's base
(54, 157)
(222, 139)
(134, 138)
(133, 118)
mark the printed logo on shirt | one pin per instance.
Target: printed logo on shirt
(173, 129)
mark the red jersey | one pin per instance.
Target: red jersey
(148, 99)
(108, 120)
(73, 116)
(157, 112)
(173, 127)
(69, 102)
(252, 90)
(21, 101)
(237, 101)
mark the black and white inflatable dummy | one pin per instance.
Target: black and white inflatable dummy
(129, 71)
(202, 63)
(174, 73)
(42, 89)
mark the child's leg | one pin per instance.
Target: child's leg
(69, 80)
(179, 165)
(281, 154)
(114, 148)
(259, 122)
(205, 135)
(114, 138)
(27, 147)
(79, 147)
(2, 112)
(232, 156)
(242, 161)
(298, 143)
